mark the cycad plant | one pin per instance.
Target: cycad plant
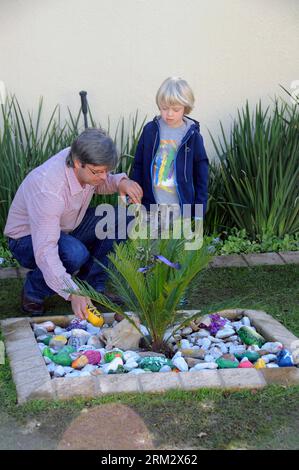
(151, 276)
(260, 170)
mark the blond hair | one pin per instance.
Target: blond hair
(175, 90)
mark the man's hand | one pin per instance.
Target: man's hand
(79, 305)
(132, 189)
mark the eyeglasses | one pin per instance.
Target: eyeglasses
(96, 173)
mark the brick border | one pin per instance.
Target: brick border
(224, 261)
(33, 381)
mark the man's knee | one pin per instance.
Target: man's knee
(73, 255)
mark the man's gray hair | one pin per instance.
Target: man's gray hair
(94, 147)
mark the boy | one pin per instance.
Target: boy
(171, 164)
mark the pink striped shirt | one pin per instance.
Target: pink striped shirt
(51, 200)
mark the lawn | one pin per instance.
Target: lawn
(205, 419)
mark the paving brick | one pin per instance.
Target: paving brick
(159, 382)
(39, 374)
(11, 324)
(242, 378)
(200, 379)
(256, 259)
(74, 387)
(228, 261)
(35, 391)
(27, 345)
(27, 363)
(117, 384)
(290, 257)
(281, 375)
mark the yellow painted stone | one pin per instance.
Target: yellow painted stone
(61, 338)
(94, 317)
(260, 364)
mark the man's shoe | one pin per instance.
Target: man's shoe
(28, 306)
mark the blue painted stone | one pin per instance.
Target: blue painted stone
(284, 358)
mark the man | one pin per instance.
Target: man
(50, 228)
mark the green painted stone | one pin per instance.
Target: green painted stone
(252, 356)
(62, 357)
(154, 364)
(226, 363)
(249, 336)
(47, 340)
(109, 356)
(119, 370)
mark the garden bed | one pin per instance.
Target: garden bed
(32, 378)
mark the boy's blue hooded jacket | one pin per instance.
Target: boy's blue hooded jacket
(191, 165)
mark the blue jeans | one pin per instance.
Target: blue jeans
(77, 250)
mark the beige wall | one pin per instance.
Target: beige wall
(121, 50)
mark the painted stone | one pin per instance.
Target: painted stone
(251, 356)
(111, 355)
(94, 317)
(76, 324)
(94, 357)
(245, 364)
(260, 364)
(284, 358)
(272, 347)
(80, 362)
(62, 357)
(154, 364)
(226, 363)
(249, 336)
(58, 341)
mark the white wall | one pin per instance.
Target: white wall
(121, 50)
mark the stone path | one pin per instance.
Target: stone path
(225, 261)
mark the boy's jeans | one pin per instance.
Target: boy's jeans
(77, 251)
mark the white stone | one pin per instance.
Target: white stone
(47, 360)
(127, 355)
(89, 368)
(84, 373)
(144, 330)
(225, 333)
(271, 365)
(75, 373)
(59, 331)
(93, 330)
(237, 325)
(181, 364)
(272, 347)
(203, 334)
(177, 354)
(246, 321)
(185, 344)
(269, 358)
(59, 371)
(223, 348)
(206, 343)
(254, 347)
(51, 368)
(130, 365)
(68, 370)
(209, 358)
(237, 349)
(165, 369)
(41, 346)
(215, 340)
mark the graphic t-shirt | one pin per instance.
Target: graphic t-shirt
(164, 183)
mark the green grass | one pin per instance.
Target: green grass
(203, 419)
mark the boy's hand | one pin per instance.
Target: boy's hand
(132, 189)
